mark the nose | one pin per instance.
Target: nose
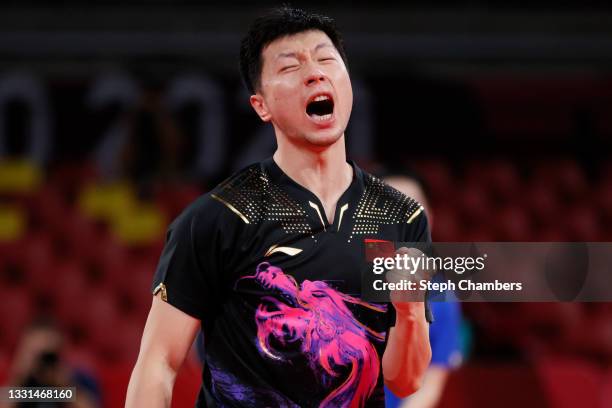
(314, 78)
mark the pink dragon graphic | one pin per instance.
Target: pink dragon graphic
(314, 318)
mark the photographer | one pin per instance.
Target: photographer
(39, 363)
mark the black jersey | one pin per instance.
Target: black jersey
(277, 288)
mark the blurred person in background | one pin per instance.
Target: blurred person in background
(301, 338)
(155, 147)
(444, 331)
(148, 145)
(39, 362)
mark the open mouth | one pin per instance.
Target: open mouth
(320, 107)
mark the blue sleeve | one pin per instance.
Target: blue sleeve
(444, 334)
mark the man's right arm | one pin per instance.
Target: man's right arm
(166, 340)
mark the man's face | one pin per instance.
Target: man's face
(305, 89)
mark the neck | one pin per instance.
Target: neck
(324, 172)
(314, 169)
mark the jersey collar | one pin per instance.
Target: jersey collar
(311, 203)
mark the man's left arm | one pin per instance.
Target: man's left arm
(408, 352)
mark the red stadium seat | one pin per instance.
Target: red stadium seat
(595, 320)
(15, 314)
(73, 176)
(101, 320)
(606, 395)
(499, 385)
(70, 292)
(571, 178)
(499, 178)
(503, 180)
(26, 259)
(37, 261)
(530, 107)
(437, 176)
(500, 325)
(583, 223)
(542, 202)
(606, 170)
(5, 366)
(135, 287)
(553, 233)
(477, 233)
(544, 326)
(128, 344)
(603, 194)
(447, 226)
(565, 176)
(110, 257)
(474, 203)
(570, 383)
(82, 234)
(47, 208)
(513, 224)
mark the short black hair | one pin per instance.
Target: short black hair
(276, 23)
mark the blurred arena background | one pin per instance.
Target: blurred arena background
(115, 115)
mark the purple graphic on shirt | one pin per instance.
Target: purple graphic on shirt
(315, 318)
(232, 388)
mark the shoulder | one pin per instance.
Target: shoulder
(402, 208)
(245, 193)
(227, 202)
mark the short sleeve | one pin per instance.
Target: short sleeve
(418, 231)
(186, 270)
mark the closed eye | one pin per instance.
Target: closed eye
(288, 67)
(327, 59)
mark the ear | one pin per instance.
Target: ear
(258, 103)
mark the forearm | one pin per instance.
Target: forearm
(408, 352)
(430, 393)
(166, 340)
(151, 385)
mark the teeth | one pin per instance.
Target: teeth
(322, 118)
(321, 98)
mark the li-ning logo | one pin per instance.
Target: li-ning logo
(284, 249)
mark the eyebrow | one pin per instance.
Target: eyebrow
(292, 54)
(322, 45)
